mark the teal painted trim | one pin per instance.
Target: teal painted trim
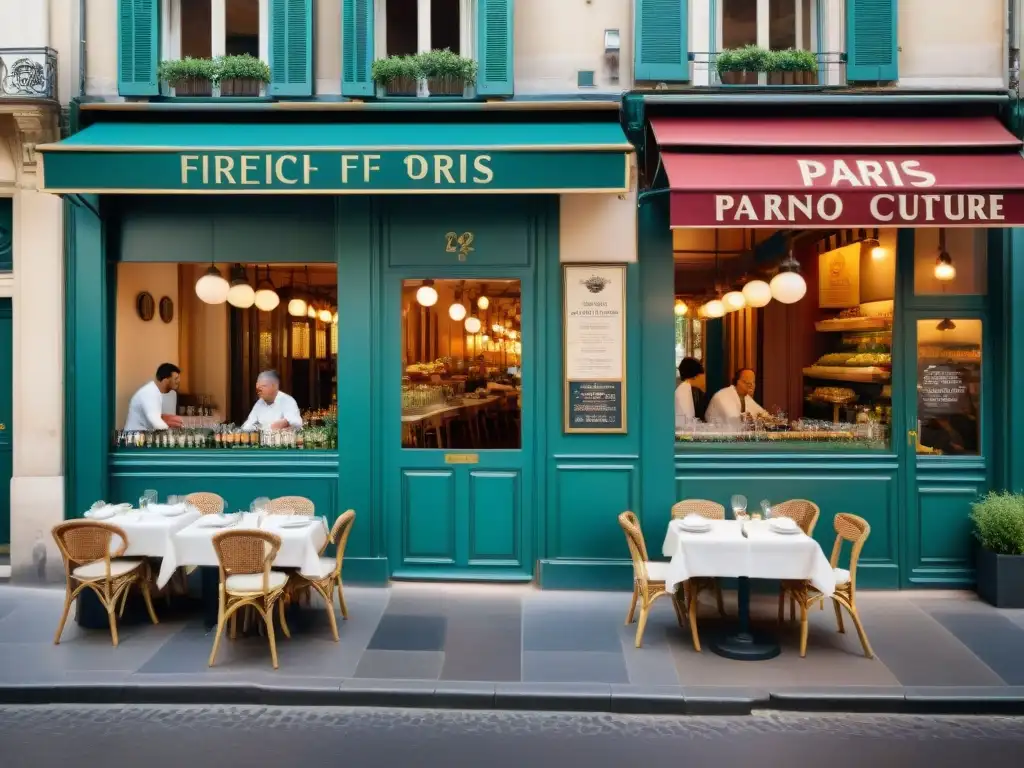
(224, 460)
(6, 234)
(364, 571)
(1013, 312)
(6, 412)
(461, 575)
(713, 26)
(795, 449)
(608, 575)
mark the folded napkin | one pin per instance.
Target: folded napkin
(696, 521)
(167, 509)
(101, 513)
(783, 523)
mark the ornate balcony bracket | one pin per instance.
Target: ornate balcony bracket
(28, 74)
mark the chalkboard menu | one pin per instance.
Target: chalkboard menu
(943, 389)
(595, 405)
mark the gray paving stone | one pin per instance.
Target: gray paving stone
(409, 633)
(994, 639)
(574, 667)
(400, 665)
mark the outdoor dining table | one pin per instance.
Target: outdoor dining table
(745, 550)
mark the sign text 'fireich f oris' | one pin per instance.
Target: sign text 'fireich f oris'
(272, 169)
(882, 191)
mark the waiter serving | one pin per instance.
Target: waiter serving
(735, 404)
(274, 410)
(144, 409)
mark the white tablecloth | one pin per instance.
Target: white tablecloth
(300, 547)
(151, 534)
(725, 552)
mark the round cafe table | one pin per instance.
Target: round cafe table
(743, 644)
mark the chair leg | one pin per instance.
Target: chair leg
(718, 599)
(268, 619)
(860, 633)
(693, 620)
(803, 629)
(341, 601)
(839, 616)
(330, 611)
(124, 601)
(284, 622)
(642, 623)
(220, 625)
(148, 599)
(68, 600)
(112, 618)
(632, 604)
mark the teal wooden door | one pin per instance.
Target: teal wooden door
(6, 435)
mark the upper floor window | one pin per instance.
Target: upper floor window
(406, 27)
(205, 29)
(773, 24)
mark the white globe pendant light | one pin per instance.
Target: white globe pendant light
(212, 288)
(325, 316)
(473, 324)
(733, 301)
(457, 311)
(426, 295)
(757, 293)
(714, 308)
(483, 302)
(240, 294)
(788, 287)
(311, 312)
(680, 308)
(266, 298)
(297, 307)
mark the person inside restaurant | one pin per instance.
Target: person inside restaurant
(691, 398)
(734, 404)
(145, 410)
(274, 410)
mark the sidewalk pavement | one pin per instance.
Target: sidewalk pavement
(515, 647)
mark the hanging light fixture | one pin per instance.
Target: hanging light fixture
(266, 298)
(680, 308)
(325, 316)
(473, 324)
(426, 294)
(297, 304)
(788, 286)
(240, 293)
(334, 319)
(945, 325)
(733, 301)
(944, 269)
(757, 293)
(483, 302)
(212, 288)
(457, 310)
(714, 308)
(311, 312)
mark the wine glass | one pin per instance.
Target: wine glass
(739, 506)
(766, 508)
(259, 505)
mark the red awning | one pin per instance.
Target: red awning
(849, 173)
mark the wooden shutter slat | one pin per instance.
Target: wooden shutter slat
(138, 52)
(872, 53)
(661, 40)
(357, 48)
(495, 47)
(291, 47)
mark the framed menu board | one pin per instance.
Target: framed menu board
(594, 343)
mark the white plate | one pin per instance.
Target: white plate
(785, 531)
(217, 521)
(173, 512)
(295, 523)
(100, 514)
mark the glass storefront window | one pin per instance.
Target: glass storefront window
(461, 364)
(949, 386)
(965, 271)
(778, 368)
(257, 364)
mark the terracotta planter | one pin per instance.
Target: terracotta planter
(742, 77)
(446, 86)
(193, 86)
(240, 87)
(792, 78)
(402, 86)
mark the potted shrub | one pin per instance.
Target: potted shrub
(739, 66)
(999, 528)
(396, 75)
(792, 67)
(241, 75)
(188, 76)
(447, 73)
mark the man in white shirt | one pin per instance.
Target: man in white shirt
(145, 409)
(733, 405)
(274, 410)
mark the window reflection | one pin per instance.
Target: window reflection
(461, 364)
(949, 386)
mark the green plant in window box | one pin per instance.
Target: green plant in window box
(241, 75)
(188, 76)
(792, 67)
(739, 66)
(396, 75)
(447, 73)
(998, 519)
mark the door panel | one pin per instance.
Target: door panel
(6, 434)
(428, 517)
(495, 515)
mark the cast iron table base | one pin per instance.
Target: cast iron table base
(743, 644)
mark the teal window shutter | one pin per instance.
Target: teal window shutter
(356, 47)
(871, 41)
(661, 40)
(138, 47)
(495, 47)
(291, 47)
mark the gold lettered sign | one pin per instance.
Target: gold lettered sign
(839, 278)
(462, 458)
(461, 244)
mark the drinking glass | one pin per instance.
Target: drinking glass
(766, 508)
(174, 499)
(259, 505)
(739, 506)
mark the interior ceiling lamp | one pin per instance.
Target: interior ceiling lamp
(789, 286)
(714, 308)
(733, 301)
(240, 293)
(483, 302)
(944, 269)
(680, 308)
(311, 312)
(266, 298)
(874, 247)
(473, 324)
(297, 305)
(334, 319)
(457, 311)
(757, 293)
(325, 316)
(945, 325)
(212, 288)
(426, 294)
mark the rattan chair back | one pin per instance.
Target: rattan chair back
(712, 510)
(246, 551)
(802, 512)
(291, 505)
(87, 541)
(855, 530)
(339, 535)
(206, 503)
(637, 546)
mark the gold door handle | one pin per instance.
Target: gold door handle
(2, 427)
(912, 437)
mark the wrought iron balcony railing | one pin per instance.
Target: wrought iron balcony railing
(28, 74)
(831, 72)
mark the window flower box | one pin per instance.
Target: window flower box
(396, 75)
(241, 75)
(188, 76)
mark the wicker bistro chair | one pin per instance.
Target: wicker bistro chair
(206, 503)
(247, 581)
(328, 575)
(291, 505)
(712, 510)
(805, 514)
(648, 580)
(89, 564)
(856, 531)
